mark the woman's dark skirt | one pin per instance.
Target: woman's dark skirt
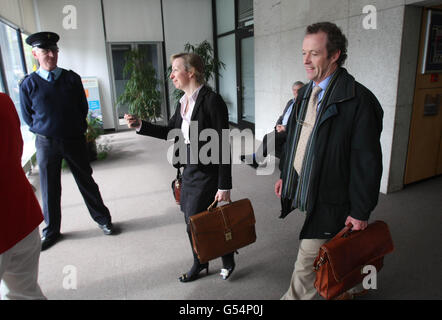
(198, 190)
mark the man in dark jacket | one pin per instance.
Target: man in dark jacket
(273, 142)
(333, 162)
(54, 106)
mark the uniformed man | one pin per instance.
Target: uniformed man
(54, 105)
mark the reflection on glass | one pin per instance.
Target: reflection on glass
(10, 51)
(118, 61)
(2, 86)
(225, 16)
(248, 79)
(31, 62)
(227, 79)
(152, 55)
(245, 13)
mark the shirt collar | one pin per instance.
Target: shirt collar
(45, 74)
(193, 97)
(324, 83)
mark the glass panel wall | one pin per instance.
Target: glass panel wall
(31, 62)
(245, 13)
(227, 78)
(235, 48)
(153, 54)
(248, 79)
(13, 73)
(225, 16)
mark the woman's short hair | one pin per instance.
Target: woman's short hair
(336, 40)
(192, 62)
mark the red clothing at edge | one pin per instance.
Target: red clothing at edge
(20, 212)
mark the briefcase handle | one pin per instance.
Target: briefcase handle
(210, 208)
(345, 232)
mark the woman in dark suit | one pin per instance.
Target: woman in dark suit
(200, 108)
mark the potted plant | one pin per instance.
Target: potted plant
(93, 131)
(141, 92)
(211, 64)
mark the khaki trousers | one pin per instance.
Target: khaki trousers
(303, 278)
(19, 269)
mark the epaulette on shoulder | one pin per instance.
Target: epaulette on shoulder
(22, 79)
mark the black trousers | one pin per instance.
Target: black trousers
(50, 153)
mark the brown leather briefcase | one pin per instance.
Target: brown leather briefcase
(341, 260)
(222, 230)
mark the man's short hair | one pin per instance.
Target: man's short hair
(297, 83)
(336, 40)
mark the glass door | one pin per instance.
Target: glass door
(233, 32)
(118, 60)
(245, 59)
(247, 90)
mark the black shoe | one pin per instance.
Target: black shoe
(47, 242)
(194, 273)
(108, 229)
(227, 272)
(254, 164)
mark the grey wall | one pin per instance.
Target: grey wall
(83, 49)
(185, 21)
(374, 58)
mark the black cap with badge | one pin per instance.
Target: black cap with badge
(43, 40)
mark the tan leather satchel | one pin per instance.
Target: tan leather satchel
(341, 260)
(222, 230)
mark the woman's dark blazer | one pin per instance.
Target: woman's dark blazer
(210, 111)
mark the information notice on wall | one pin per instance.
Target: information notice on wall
(91, 89)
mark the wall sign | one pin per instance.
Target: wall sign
(432, 58)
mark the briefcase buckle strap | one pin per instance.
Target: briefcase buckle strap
(318, 265)
(228, 232)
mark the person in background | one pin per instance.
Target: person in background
(202, 184)
(273, 142)
(20, 214)
(54, 106)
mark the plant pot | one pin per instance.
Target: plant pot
(92, 150)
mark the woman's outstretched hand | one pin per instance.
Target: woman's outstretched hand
(132, 121)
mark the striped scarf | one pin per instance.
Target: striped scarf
(294, 184)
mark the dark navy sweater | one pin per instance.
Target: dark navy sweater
(55, 109)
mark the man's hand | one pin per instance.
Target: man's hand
(280, 128)
(132, 121)
(357, 224)
(278, 188)
(222, 196)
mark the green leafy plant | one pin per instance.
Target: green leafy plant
(94, 128)
(141, 92)
(211, 64)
